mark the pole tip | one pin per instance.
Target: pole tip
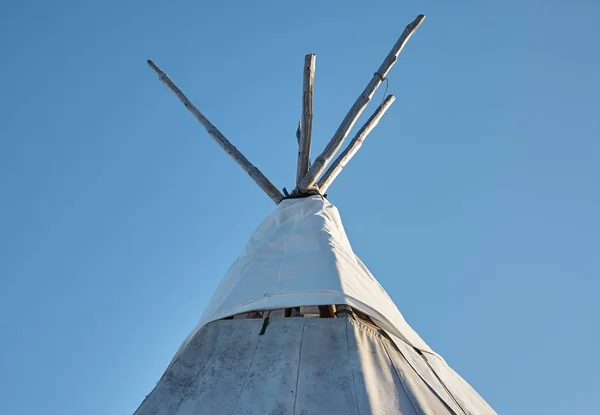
(417, 22)
(151, 64)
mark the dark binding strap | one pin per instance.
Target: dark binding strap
(265, 324)
(303, 195)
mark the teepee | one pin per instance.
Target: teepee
(299, 325)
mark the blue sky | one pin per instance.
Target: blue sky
(475, 201)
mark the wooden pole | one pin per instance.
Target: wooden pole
(256, 175)
(326, 311)
(308, 87)
(340, 135)
(343, 159)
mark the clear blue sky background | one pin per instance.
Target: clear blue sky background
(475, 202)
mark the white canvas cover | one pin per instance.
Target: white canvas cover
(300, 366)
(300, 256)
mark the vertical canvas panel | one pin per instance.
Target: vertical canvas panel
(325, 380)
(270, 384)
(381, 390)
(178, 383)
(304, 366)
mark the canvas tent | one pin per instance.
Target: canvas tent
(298, 324)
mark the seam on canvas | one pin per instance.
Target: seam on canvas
(425, 381)
(410, 397)
(299, 366)
(444, 385)
(352, 368)
(247, 374)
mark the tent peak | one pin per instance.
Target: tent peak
(309, 177)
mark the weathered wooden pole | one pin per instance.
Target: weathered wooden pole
(360, 104)
(343, 159)
(308, 87)
(256, 175)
